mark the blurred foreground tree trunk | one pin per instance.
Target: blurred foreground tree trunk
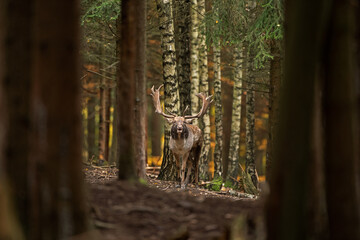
(340, 114)
(286, 208)
(327, 34)
(57, 208)
(16, 69)
(168, 168)
(9, 218)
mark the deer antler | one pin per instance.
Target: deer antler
(155, 93)
(206, 103)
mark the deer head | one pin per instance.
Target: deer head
(179, 122)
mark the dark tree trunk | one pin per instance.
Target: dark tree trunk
(274, 98)
(16, 64)
(340, 120)
(182, 23)
(57, 208)
(156, 134)
(140, 101)
(125, 91)
(250, 167)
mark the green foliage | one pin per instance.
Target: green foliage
(225, 23)
(100, 10)
(229, 184)
(266, 27)
(215, 184)
(98, 21)
(232, 21)
(143, 181)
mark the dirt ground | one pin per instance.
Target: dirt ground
(160, 210)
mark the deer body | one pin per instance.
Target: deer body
(185, 144)
(186, 139)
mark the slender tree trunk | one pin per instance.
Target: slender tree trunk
(57, 208)
(140, 100)
(113, 148)
(125, 91)
(107, 122)
(182, 34)
(204, 87)
(234, 155)
(16, 69)
(274, 96)
(250, 167)
(194, 52)
(102, 121)
(340, 120)
(218, 112)
(168, 167)
(92, 150)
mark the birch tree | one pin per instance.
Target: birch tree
(218, 111)
(234, 153)
(168, 168)
(204, 87)
(194, 53)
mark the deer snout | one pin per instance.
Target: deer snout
(179, 128)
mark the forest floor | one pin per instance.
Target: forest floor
(161, 210)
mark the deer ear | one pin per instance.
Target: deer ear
(189, 121)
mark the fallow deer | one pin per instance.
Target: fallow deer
(185, 138)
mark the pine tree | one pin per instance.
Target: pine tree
(182, 22)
